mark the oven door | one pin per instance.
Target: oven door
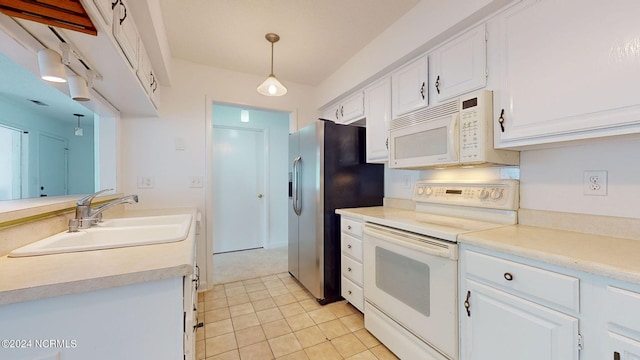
(426, 144)
(412, 279)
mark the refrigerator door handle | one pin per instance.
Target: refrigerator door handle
(297, 203)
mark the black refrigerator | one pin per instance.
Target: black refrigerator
(327, 171)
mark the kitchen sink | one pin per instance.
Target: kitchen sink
(184, 219)
(113, 233)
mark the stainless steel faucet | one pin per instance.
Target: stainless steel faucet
(86, 216)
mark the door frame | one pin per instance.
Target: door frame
(206, 256)
(265, 177)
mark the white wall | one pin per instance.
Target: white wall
(277, 148)
(552, 179)
(148, 144)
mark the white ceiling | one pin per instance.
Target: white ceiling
(316, 36)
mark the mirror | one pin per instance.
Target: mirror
(41, 150)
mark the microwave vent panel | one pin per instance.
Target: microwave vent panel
(428, 114)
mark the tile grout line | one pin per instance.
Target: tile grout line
(274, 317)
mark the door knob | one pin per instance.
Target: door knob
(260, 196)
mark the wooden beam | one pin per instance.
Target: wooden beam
(68, 14)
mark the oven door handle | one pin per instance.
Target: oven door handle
(424, 244)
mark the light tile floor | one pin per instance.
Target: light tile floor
(274, 317)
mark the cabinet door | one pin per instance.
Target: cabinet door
(500, 326)
(459, 66)
(352, 108)
(410, 90)
(106, 9)
(570, 71)
(144, 70)
(331, 113)
(378, 113)
(623, 348)
(126, 33)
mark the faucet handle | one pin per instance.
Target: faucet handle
(86, 201)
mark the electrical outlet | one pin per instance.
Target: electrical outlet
(145, 182)
(595, 182)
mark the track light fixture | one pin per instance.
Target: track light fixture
(51, 67)
(78, 88)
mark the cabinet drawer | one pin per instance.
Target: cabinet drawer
(351, 227)
(622, 307)
(353, 293)
(351, 246)
(352, 270)
(553, 288)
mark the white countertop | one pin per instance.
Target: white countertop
(601, 255)
(36, 277)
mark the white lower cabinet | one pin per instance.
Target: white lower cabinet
(623, 348)
(510, 310)
(516, 308)
(139, 321)
(621, 304)
(352, 279)
(502, 326)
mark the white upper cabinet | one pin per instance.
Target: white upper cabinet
(459, 66)
(106, 8)
(377, 98)
(352, 108)
(346, 111)
(409, 87)
(126, 33)
(570, 71)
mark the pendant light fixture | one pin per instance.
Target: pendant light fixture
(271, 86)
(79, 131)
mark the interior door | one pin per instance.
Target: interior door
(52, 165)
(10, 163)
(238, 189)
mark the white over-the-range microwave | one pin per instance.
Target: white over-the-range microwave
(457, 132)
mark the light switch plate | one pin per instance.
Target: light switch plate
(146, 182)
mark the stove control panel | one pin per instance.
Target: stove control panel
(496, 194)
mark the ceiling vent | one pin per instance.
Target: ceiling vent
(68, 14)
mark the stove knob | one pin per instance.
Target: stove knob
(496, 194)
(429, 191)
(484, 193)
(420, 190)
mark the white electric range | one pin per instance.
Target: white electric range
(411, 268)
